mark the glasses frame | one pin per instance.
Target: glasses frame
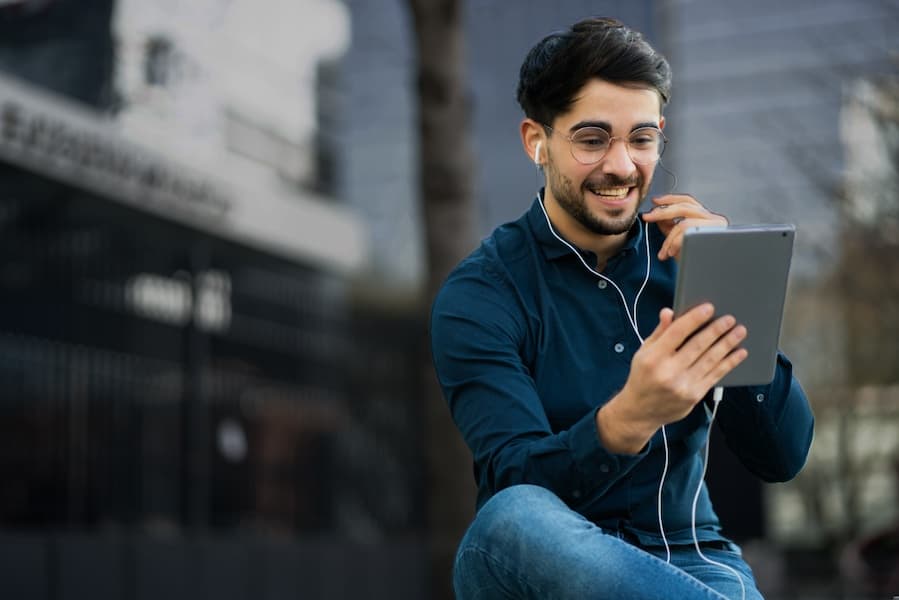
(612, 139)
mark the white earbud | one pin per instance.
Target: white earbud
(537, 154)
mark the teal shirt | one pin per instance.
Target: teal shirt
(528, 344)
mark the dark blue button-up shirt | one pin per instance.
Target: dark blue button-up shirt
(528, 344)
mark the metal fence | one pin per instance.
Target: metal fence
(182, 416)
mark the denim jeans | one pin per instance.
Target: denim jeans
(526, 543)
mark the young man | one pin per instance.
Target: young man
(568, 376)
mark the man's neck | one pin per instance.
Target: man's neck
(603, 246)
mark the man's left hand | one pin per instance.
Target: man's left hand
(674, 213)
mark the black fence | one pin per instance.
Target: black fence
(182, 416)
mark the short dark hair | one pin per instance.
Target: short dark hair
(603, 48)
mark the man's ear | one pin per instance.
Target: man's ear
(533, 138)
(662, 122)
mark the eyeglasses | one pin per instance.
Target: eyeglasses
(589, 144)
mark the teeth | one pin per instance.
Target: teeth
(617, 192)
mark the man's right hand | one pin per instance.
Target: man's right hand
(671, 372)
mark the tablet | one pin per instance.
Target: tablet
(743, 271)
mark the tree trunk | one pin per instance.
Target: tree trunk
(447, 209)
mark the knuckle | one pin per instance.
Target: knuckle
(723, 325)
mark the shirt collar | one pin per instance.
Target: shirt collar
(553, 248)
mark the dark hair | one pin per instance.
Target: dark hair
(603, 48)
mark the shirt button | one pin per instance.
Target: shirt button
(619, 348)
(601, 284)
(576, 494)
(760, 398)
(604, 468)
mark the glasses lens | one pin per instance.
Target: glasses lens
(645, 146)
(589, 144)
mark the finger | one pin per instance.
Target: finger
(718, 350)
(674, 239)
(671, 206)
(725, 366)
(671, 199)
(684, 326)
(662, 213)
(702, 345)
(666, 316)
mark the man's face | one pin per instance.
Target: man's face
(602, 198)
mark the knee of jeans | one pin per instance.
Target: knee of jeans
(508, 527)
(511, 513)
(519, 500)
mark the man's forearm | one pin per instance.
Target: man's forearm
(619, 431)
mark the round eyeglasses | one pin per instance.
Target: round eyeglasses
(589, 144)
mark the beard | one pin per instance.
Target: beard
(572, 201)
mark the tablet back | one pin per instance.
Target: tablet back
(743, 271)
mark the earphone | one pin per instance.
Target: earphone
(537, 154)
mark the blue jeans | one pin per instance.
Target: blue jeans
(526, 543)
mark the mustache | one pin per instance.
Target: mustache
(611, 181)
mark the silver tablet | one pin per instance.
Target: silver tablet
(743, 271)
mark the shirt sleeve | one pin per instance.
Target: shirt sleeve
(477, 331)
(770, 428)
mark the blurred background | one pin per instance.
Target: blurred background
(221, 224)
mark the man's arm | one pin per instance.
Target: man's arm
(478, 327)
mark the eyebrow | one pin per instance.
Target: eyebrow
(608, 127)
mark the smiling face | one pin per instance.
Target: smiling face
(602, 198)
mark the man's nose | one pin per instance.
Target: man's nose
(617, 161)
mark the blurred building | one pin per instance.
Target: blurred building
(192, 405)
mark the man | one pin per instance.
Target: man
(538, 341)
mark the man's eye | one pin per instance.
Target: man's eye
(642, 141)
(592, 142)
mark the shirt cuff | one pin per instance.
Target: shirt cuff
(597, 465)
